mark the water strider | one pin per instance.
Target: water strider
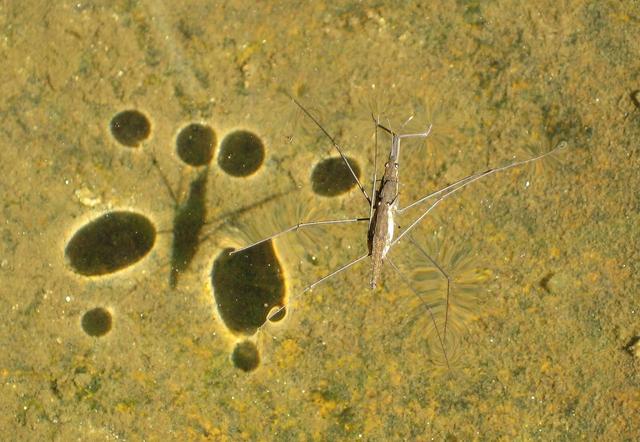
(383, 207)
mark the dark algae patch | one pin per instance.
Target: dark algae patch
(130, 127)
(246, 286)
(195, 143)
(110, 243)
(245, 356)
(241, 153)
(332, 177)
(96, 322)
(187, 224)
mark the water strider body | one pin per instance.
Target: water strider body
(385, 206)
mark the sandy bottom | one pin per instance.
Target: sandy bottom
(543, 320)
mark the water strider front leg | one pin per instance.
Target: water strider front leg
(445, 193)
(300, 226)
(426, 306)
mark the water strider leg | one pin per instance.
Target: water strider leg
(375, 170)
(324, 278)
(446, 276)
(165, 180)
(443, 194)
(450, 188)
(396, 146)
(425, 305)
(299, 226)
(333, 142)
(392, 133)
(335, 272)
(394, 152)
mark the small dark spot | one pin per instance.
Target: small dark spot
(331, 177)
(109, 243)
(241, 153)
(635, 98)
(564, 123)
(544, 282)
(311, 259)
(246, 286)
(633, 347)
(245, 356)
(130, 127)
(96, 322)
(55, 389)
(195, 144)
(347, 416)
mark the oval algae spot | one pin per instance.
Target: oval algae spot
(130, 127)
(246, 287)
(331, 177)
(241, 153)
(245, 356)
(110, 243)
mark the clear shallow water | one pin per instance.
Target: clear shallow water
(542, 351)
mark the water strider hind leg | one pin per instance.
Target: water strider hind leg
(425, 305)
(324, 278)
(444, 274)
(444, 193)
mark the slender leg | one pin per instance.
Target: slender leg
(324, 278)
(335, 272)
(337, 147)
(407, 121)
(450, 188)
(471, 178)
(425, 305)
(394, 154)
(299, 226)
(424, 134)
(446, 276)
(461, 184)
(415, 135)
(164, 179)
(375, 169)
